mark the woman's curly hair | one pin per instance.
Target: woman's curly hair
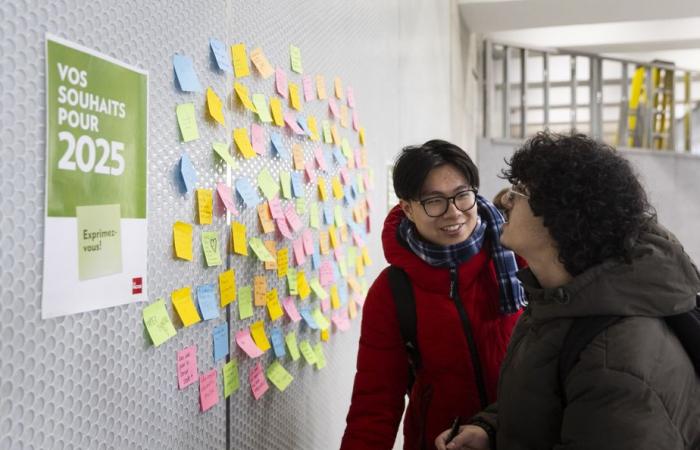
(588, 195)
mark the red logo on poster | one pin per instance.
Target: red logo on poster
(136, 285)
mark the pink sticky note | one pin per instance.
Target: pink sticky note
(308, 88)
(344, 175)
(208, 392)
(355, 121)
(351, 97)
(357, 239)
(284, 228)
(293, 218)
(358, 158)
(292, 123)
(245, 341)
(276, 208)
(368, 181)
(226, 196)
(281, 82)
(186, 366)
(257, 138)
(325, 273)
(310, 173)
(258, 383)
(291, 309)
(299, 251)
(333, 106)
(308, 239)
(340, 319)
(359, 300)
(320, 159)
(325, 305)
(338, 252)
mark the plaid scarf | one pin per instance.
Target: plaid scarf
(489, 223)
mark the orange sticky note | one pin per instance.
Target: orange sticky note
(294, 98)
(323, 242)
(257, 330)
(184, 306)
(266, 223)
(261, 63)
(227, 287)
(240, 61)
(205, 199)
(240, 136)
(352, 309)
(298, 157)
(243, 96)
(273, 305)
(214, 106)
(343, 229)
(321, 87)
(338, 87)
(344, 116)
(322, 191)
(336, 136)
(276, 108)
(260, 289)
(240, 243)
(282, 262)
(272, 248)
(354, 285)
(182, 235)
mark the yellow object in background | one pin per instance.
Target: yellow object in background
(240, 61)
(257, 331)
(227, 287)
(184, 306)
(240, 245)
(205, 205)
(214, 106)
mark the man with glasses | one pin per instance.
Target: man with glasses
(445, 236)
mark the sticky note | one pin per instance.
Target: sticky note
(240, 137)
(291, 122)
(301, 121)
(276, 208)
(283, 228)
(277, 342)
(182, 301)
(338, 84)
(231, 378)
(220, 338)
(335, 299)
(307, 239)
(325, 273)
(221, 149)
(320, 319)
(338, 215)
(247, 192)
(266, 222)
(344, 116)
(292, 281)
(256, 378)
(313, 215)
(298, 184)
(333, 107)
(351, 96)
(260, 103)
(272, 250)
(260, 250)
(279, 146)
(268, 185)
(308, 318)
(282, 262)
(327, 137)
(257, 138)
(279, 376)
(157, 322)
(182, 237)
(240, 61)
(244, 96)
(321, 87)
(320, 357)
(207, 301)
(335, 135)
(318, 289)
(308, 352)
(308, 88)
(281, 82)
(300, 206)
(339, 158)
(187, 121)
(298, 247)
(257, 331)
(204, 206)
(227, 287)
(186, 76)
(261, 63)
(309, 170)
(295, 59)
(320, 159)
(186, 366)
(352, 310)
(313, 128)
(245, 302)
(291, 309)
(214, 106)
(334, 237)
(302, 285)
(294, 99)
(220, 55)
(226, 196)
(323, 241)
(340, 319)
(240, 246)
(322, 190)
(245, 342)
(365, 257)
(260, 289)
(291, 340)
(292, 218)
(337, 188)
(286, 183)
(273, 305)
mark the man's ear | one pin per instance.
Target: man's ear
(407, 209)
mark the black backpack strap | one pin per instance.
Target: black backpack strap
(686, 326)
(402, 292)
(583, 330)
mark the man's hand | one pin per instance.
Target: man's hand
(470, 437)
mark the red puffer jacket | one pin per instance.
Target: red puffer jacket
(445, 387)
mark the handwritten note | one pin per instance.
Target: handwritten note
(244, 96)
(307, 352)
(272, 250)
(227, 287)
(157, 322)
(291, 215)
(282, 262)
(291, 340)
(268, 185)
(277, 342)
(226, 196)
(295, 59)
(279, 376)
(277, 114)
(266, 222)
(240, 137)
(321, 87)
(207, 301)
(240, 61)
(245, 302)
(210, 245)
(208, 391)
(187, 121)
(247, 192)
(260, 289)
(231, 379)
(220, 338)
(256, 378)
(281, 82)
(260, 250)
(186, 76)
(273, 305)
(261, 63)
(260, 103)
(220, 55)
(245, 342)
(294, 98)
(186, 366)
(303, 285)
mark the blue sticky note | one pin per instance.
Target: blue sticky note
(343, 294)
(221, 55)
(315, 260)
(301, 120)
(186, 76)
(298, 184)
(277, 342)
(279, 146)
(220, 334)
(207, 302)
(189, 176)
(308, 318)
(339, 158)
(247, 192)
(349, 198)
(355, 190)
(328, 214)
(336, 271)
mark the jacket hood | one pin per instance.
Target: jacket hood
(660, 281)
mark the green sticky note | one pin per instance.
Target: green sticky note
(365, 286)
(327, 137)
(320, 319)
(300, 205)
(231, 381)
(221, 149)
(291, 340)
(245, 302)
(308, 352)
(339, 219)
(157, 322)
(261, 107)
(313, 216)
(345, 147)
(295, 58)
(352, 256)
(267, 184)
(318, 289)
(279, 375)
(210, 245)
(286, 182)
(260, 250)
(292, 281)
(320, 357)
(343, 268)
(99, 241)
(187, 121)
(361, 183)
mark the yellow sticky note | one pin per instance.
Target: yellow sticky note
(272, 248)
(298, 157)
(282, 262)
(325, 335)
(240, 60)
(360, 267)
(257, 331)
(365, 257)
(321, 87)
(302, 285)
(268, 226)
(338, 87)
(295, 59)
(279, 376)
(227, 287)
(276, 108)
(322, 191)
(259, 290)
(335, 299)
(158, 323)
(182, 235)
(205, 205)
(352, 309)
(240, 245)
(240, 136)
(214, 106)
(187, 121)
(334, 236)
(182, 301)
(294, 98)
(337, 188)
(313, 128)
(273, 305)
(260, 250)
(261, 63)
(361, 134)
(242, 92)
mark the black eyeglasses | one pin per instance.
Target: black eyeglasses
(437, 206)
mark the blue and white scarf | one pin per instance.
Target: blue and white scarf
(489, 223)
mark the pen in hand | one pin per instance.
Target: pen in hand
(453, 430)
